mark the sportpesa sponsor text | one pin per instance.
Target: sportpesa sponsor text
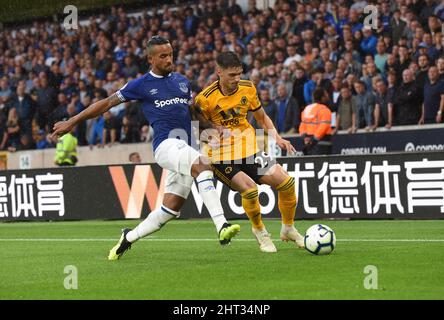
(162, 103)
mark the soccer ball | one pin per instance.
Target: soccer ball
(320, 239)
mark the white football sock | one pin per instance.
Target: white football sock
(210, 197)
(155, 220)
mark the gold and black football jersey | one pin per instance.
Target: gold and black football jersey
(231, 112)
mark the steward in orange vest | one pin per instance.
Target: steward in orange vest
(315, 128)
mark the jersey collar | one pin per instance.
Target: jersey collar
(157, 76)
(220, 89)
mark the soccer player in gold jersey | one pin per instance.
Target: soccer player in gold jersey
(236, 159)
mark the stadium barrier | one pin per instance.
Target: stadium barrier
(389, 186)
(397, 139)
(117, 154)
(429, 137)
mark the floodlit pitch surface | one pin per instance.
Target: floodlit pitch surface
(372, 260)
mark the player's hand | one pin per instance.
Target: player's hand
(61, 128)
(285, 144)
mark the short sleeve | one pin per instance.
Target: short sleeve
(130, 91)
(201, 105)
(255, 103)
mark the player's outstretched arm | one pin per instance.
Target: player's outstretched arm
(265, 123)
(94, 110)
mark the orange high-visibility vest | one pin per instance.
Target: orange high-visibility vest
(316, 121)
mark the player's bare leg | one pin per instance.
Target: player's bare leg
(279, 179)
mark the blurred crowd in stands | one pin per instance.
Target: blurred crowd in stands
(376, 77)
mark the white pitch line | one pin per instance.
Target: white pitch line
(198, 240)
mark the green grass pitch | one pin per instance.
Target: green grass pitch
(185, 261)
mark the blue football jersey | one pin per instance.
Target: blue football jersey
(165, 104)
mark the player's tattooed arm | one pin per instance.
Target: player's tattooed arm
(113, 100)
(94, 110)
(98, 108)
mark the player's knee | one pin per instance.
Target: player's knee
(287, 191)
(250, 192)
(287, 185)
(201, 165)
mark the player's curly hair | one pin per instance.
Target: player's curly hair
(228, 59)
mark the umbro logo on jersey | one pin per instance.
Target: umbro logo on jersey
(153, 91)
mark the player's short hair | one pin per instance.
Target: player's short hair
(155, 41)
(228, 59)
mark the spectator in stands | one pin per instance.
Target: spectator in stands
(26, 143)
(130, 132)
(298, 86)
(46, 102)
(130, 70)
(310, 86)
(370, 72)
(25, 107)
(369, 41)
(96, 135)
(191, 22)
(440, 65)
(433, 105)
(365, 105)
(272, 84)
(381, 56)
(134, 157)
(346, 113)
(407, 100)
(5, 92)
(288, 112)
(269, 106)
(13, 129)
(43, 140)
(60, 112)
(422, 75)
(439, 11)
(111, 129)
(3, 128)
(383, 106)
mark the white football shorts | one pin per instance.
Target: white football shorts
(177, 157)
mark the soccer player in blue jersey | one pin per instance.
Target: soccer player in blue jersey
(166, 98)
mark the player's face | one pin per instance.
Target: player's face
(230, 77)
(161, 59)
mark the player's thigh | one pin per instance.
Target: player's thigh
(233, 176)
(177, 189)
(176, 155)
(275, 176)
